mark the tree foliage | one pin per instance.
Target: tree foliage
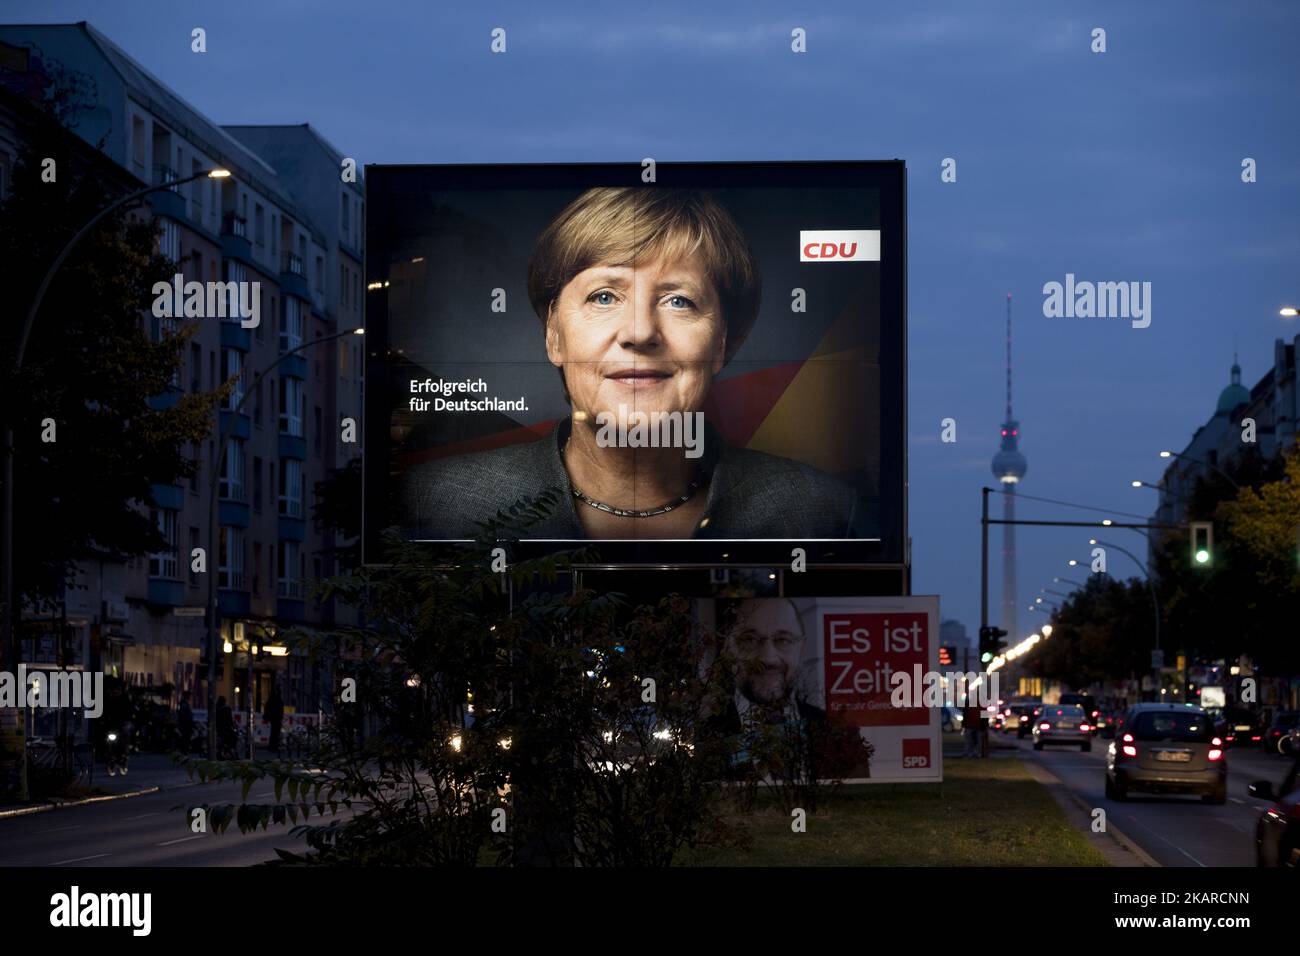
(92, 367)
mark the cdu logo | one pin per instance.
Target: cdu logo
(839, 245)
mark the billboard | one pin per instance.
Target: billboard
(833, 661)
(701, 362)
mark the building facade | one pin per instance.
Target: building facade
(299, 241)
(1271, 404)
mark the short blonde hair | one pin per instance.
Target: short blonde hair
(624, 225)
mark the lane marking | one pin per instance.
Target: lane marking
(151, 813)
(1237, 800)
(82, 859)
(57, 829)
(197, 836)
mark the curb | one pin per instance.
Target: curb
(1145, 858)
(83, 801)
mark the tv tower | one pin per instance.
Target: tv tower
(1009, 466)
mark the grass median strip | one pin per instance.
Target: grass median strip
(985, 813)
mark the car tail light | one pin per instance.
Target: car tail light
(1130, 750)
(1044, 726)
(1085, 728)
(1216, 754)
(1216, 742)
(1127, 738)
(1095, 713)
(1256, 737)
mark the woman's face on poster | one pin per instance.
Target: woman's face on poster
(650, 337)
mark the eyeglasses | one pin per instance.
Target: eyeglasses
(750, 641)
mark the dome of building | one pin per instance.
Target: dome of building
(1235, 394)
(1009, 465)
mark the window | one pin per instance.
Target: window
(291, 406)
(320, 274)
(169, 240)
(230, 570)
(289, 569)
(257, 567)
(291, 330)
(162, 564)
(196, 191)
(258, 329)
(196, 367)
(259, 224)
(346, 229)
(291, 488)
(257, 485)
(316, 430)
(275, 235)
(231, 485)
(198, 468)
(232, 364)
(194, 543)
(257, 406)
(137, 143)
(237, 273)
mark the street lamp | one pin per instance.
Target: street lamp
(1155, 603)
(10, 640)
(1289, 311)
(1047, 630)
(214, 615)
(1203, 464)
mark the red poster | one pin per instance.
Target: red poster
(862, 652)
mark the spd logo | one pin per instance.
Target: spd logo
(916, 753)
(839, 245)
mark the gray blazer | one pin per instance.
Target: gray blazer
(751, 494)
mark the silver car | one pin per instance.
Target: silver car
(1167, 748)
(1062, 724)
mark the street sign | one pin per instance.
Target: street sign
(187, 611)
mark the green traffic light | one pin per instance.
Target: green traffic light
(986, 657)
(1202, 556)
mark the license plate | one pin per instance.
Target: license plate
(1179, 756)
(1065, 725)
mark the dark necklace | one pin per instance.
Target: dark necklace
(676, 503)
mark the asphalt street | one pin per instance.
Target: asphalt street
(149, 830)
(1175, 830)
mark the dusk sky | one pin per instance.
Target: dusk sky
(1115, 166)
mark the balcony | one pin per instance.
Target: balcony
(234, 238)
(293, 276)
(166, 202)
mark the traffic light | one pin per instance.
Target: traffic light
(991, 643)
(947, 656)
(1202, 543)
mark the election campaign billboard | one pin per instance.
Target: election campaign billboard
(696, 359)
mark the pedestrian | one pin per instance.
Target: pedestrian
(185, 723)
(274, 713)
(225, 728)
(972, 714)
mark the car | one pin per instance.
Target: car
(951, 719)
(1242, 727)
(1280, 737)
(1062, 724)
(1277, 834)
(1088, 703)
(1167, 748)
(1020, 718)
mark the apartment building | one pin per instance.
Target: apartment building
(276, 221)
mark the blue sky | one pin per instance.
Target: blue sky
(1117, 166)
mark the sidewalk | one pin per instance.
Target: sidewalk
(147, 773)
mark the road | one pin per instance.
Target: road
(148, 830)
(1176, 830)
